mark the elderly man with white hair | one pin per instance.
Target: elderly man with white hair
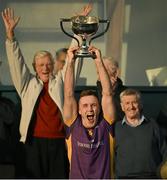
(41, 124)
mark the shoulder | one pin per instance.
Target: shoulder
(33, 82)
(118, 124)
(75, 128)
(76, 124)
(152, 122)
(104, 125)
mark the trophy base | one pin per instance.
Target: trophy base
(84, 54)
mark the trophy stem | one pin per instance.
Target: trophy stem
(83, 51)
(84, 42)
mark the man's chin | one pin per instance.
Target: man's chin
(45, 79)
(90, 125)
(132, 116)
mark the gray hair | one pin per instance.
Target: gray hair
(59, 51)
(128, 92)
(110, 60)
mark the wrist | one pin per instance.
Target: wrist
(71, 61)
(98, 62)
(10, 35)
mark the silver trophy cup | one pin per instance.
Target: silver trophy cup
(86, 27)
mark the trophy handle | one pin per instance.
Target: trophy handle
(100, 34)
(62, 27)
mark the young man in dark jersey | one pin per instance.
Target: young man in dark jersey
(89, 132)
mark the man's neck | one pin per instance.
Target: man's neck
(133, 121)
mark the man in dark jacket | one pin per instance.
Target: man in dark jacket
(140, 147)
(162, 120)
(7, 118)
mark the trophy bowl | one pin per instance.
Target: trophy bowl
(86, 27)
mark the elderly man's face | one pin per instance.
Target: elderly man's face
(131, 106)
(44, 68)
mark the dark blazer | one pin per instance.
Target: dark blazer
(7, 116)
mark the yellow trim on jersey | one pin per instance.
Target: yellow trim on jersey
(69, 122)
(111, 141)
(110, 121)
(69, 149)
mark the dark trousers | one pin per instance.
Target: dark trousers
(46, 158)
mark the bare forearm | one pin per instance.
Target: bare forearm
(69, 80)
(107, 100)
(70, 106)
(104, 78)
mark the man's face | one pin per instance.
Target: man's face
(131, 106)
(44, 68)
(89, 110)
(60, 61)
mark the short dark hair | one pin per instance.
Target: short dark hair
(59, 51)
(88, 92)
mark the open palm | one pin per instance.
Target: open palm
(86, 10)
(9, 20)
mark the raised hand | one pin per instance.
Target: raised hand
(96, 52)
(70, 54)
(10, 22)
(86, 10)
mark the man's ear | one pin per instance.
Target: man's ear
(117, 72)
(122, 107)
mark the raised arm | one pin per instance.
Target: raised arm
(70, 104)
(107, 99)
(18, 69)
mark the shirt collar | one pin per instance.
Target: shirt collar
(141, 120)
